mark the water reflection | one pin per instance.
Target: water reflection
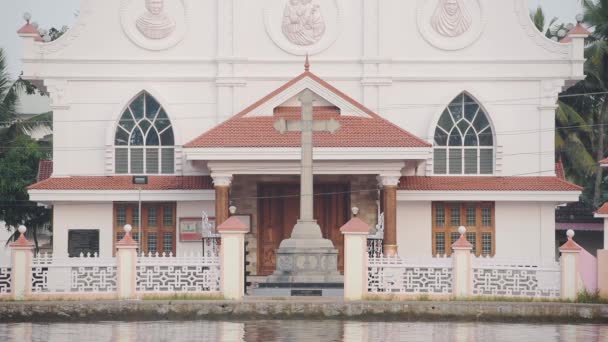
(300, 330)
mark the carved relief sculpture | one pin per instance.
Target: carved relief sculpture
(303, 22)
(154, 23)
(451, 18)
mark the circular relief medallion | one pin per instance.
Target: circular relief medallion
(450, 24)
(303, 26)
(154, 24)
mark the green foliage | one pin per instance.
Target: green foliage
(18, 170)
(590, 298)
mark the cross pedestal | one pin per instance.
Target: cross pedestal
(306, 258)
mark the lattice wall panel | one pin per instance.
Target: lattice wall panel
(168, 278)
(5, 280)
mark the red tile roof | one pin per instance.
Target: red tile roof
(124, 183)
(27, 29)
(45, 170)
(579, 30)
(355, 131)
(232, 224)
(355, 225)
(479, 183)
(603, 210)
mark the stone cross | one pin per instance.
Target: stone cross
(307, 126)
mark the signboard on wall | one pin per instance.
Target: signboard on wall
(191, 228)
(83, 241)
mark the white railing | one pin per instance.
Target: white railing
(85, 274)
(515, 278)
(156, 273)
(5, 280)
(427, 276)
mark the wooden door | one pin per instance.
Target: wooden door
(278, 212)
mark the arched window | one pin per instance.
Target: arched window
(144, 140)
(464, 141)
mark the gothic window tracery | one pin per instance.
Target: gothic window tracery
(144, 140)
(464, 140)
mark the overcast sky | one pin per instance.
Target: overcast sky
(49, 13)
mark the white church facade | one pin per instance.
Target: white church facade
(446, 112)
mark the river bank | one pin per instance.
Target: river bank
(114, 310)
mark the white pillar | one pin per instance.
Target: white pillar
(571, 282)
(355, 258)
(463, 268)
(126, 257)
(232, 258)
(21, 266)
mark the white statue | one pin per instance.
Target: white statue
(303, 22)
(154, 23)
(451, 18)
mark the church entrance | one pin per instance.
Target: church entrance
(278, 211)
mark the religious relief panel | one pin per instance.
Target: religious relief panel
(303, 26)
(303, 22)
(450, 24)
(154, 24)
(451, 18)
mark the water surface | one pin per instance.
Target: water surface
(299, 330)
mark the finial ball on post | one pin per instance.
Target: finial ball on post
(570, 233)
(128, 228)
(22, 229)
(232, 210)
(462, 230)
(355, 211)
(579, 18)
(27, 16)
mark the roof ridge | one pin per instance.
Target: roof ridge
(293, 81)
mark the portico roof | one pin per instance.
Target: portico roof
(360, 127)
(124, 183)
(482, 183)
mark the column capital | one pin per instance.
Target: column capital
(222, 180)
(388, 181)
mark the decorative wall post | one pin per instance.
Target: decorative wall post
(126, 257)
(222, 197)
(602, 254)
(389, 197)
(462, 286)
(355, 257)
(21, 268)
(571, 282)
(232, 258)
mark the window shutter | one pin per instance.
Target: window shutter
(439, 161)
(137, 160)
(151, 160)
(121, 160)
(486, 161)
(470, 161)
(455, 161)
(168, 160)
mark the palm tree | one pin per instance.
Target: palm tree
(11, 124)
(538, 18)
(596, 69)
